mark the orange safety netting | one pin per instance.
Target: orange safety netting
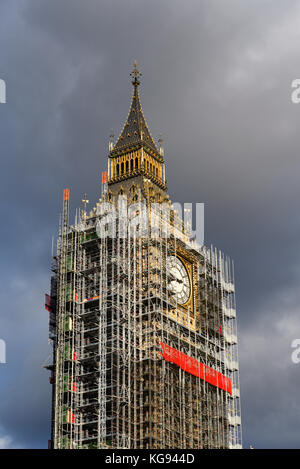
(196, 368)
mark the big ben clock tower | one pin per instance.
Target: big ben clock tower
(142, 319)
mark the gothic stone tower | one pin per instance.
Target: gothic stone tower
(142, 320)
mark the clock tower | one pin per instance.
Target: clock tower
(142, 319)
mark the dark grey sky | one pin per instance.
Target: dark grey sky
(216, 83)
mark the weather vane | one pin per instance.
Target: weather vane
(135, 74)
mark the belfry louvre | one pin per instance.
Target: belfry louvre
(142, 321)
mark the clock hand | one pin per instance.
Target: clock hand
(175, 279)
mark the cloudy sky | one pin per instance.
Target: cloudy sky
(216, 84)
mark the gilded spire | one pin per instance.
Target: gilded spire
(135, 132)
(135, 74)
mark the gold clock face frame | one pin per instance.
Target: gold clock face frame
(179, 280)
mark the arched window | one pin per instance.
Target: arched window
(127, 166)
(118, 169)
(136, 163)
(131, 165)
(122, 168)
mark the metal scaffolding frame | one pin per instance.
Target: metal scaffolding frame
(111, 309)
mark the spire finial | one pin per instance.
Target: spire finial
(135, 74)
(85, 201)
(161, 148)
(111, 140)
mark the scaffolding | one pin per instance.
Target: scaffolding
(134, 364)
(112, 314)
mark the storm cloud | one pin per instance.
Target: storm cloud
(216, 84)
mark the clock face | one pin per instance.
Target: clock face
(179, 281)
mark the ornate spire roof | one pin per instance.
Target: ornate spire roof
(135, 131)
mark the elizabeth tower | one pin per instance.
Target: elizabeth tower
(142, 318)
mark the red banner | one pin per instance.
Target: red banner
(104, 177)
(48, 303)
(196, 368)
